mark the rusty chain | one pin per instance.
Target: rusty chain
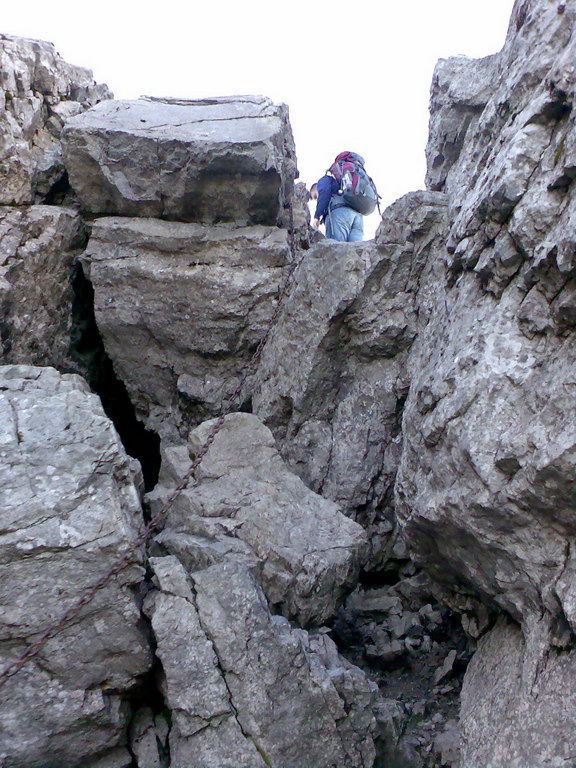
(155, 521)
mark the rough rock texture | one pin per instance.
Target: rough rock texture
(181, 308)
(422, 384)
(486, 478)
(246, 505)
(70, 511)
(523, 694)
(414, 647)
(485, 490)
(222, 159)
(38, 245)
(333, 375)
(247, 690)
(39, 91)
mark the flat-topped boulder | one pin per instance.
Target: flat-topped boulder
(222, 159)
(181, 308)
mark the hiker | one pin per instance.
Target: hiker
(344, 194)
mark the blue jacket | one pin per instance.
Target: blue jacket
(327, 186)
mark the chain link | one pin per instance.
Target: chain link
(154, 522)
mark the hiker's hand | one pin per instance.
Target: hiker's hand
(316, 223)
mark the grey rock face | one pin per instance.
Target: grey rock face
(333, 375)
(39, 91)
(69, 512)
(246, 505)
(222, 159)
(485, 488)
(181, 308)
(522, 695)
(509, 183)
(38, 245)
(148, 735)
(249, 690)
(461, 88)
(486, 476)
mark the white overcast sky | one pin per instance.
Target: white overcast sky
(356, 75)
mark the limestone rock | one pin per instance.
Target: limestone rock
(70, 511)
(247, 690)
(210, 160)
(146, 742)
(485, 489)
(461, 88)
(39, 91)
(509, 183)
(246, 505)
(523, 696)
(181, 308)
(333, 376)
(38, 245)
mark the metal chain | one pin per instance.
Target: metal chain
(153, 524)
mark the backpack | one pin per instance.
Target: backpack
(356, 187)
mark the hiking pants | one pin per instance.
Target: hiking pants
(344, 224)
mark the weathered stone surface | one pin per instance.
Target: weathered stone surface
(461, 88)
(246, 505)
(333, 375)
(69, 512)
(221, 159)
(181, 308)
(249, 690)
(464, 304)
(147, 742)
(485, 489)
(509, 183)
(38, 245)
(38, 92)
(518, 702)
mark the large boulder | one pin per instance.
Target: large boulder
(485, 490)
(518, 702)
(245, 505)
(181, 308)
(38, 246)
(210, 160)
(333, 377)
(247, 690)
(39, 91)
(70, 511)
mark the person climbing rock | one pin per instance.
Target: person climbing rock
(345, 194)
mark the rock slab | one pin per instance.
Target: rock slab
(181, 308)
(210, 160)
(247, 506)
(38, 248)
(70, 511)
(523, 696)
(247, 690)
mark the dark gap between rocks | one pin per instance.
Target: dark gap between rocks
(375, 579)
(413, 646)
(87, 350)
(58, 191)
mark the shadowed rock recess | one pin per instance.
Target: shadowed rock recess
(373, 567)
